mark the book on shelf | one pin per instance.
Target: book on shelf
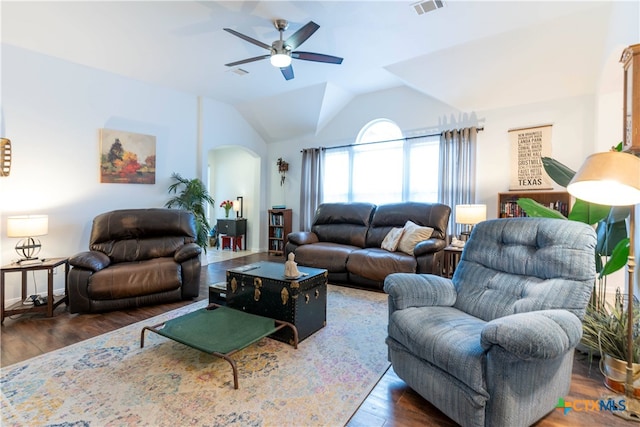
(277, 219)
(511, 209)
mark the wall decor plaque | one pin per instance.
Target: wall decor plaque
(528, 146)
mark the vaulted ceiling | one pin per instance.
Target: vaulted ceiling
(472, 55)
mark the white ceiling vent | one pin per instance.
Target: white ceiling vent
(239, 71)
(422, 7)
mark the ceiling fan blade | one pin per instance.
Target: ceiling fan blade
(317, 57)
(301, 35)
(247, 38)
(287, 72)
(244, 61)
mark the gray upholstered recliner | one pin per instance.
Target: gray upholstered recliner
(493, 346)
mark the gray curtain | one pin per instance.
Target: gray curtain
(310, 185)
(457, 171)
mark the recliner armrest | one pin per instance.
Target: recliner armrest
(429, 246)
(90, 260)
(418, 290)
(186, 252)
(544, 334)
(303, 238)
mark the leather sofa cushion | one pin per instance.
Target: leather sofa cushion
(376, 263)
(445, 337)
(386, 217)
(133, 279)
(344, 223)
(330, 256)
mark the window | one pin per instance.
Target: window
(382, 172)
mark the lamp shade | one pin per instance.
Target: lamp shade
(611, 178)
(27, 225)
(236, 205)
(470, 214)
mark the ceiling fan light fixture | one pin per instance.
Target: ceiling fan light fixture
(280, 60)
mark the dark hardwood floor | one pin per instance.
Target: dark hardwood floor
(391, 402)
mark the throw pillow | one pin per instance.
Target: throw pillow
(392, 239)
(413, 234)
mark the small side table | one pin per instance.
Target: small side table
(49, 264)
(451, 259)
(231, 229)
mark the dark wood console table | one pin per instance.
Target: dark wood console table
(234, 228)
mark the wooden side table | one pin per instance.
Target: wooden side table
(49, 264)
(232, 230)
(451, 259)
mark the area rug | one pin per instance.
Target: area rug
(109, 381)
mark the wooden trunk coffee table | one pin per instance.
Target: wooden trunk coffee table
(261, 288)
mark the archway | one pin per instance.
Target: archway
(235, 171)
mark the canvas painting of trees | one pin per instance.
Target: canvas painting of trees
(127, 158)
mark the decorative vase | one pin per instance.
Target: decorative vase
(226, 212)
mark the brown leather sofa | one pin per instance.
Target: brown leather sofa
(346, 239)
(137, 257)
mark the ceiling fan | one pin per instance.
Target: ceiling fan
(282, 51)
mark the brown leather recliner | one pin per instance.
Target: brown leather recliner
(137, 257)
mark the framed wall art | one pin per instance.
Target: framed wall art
(528, 146)
(127, 158)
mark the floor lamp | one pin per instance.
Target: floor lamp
(613, 179)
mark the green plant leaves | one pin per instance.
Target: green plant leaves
(535, 209)
(612, 230)
(194, 198)
(605, 331)
(558, 172)
(618, 258)
(589, 213)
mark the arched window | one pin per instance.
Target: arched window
(382, 167)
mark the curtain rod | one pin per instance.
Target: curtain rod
(388, 140)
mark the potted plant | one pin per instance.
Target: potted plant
(193, 197)
(606, 330)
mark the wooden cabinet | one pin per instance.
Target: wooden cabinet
(232, 227)
(508, 206)
(279, 229)
(631, 116)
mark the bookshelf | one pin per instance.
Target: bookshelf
(279, 229)
(508, 206)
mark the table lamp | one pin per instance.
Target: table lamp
(613, 179)
(237, 206)
(28, 227)
(470, 215)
